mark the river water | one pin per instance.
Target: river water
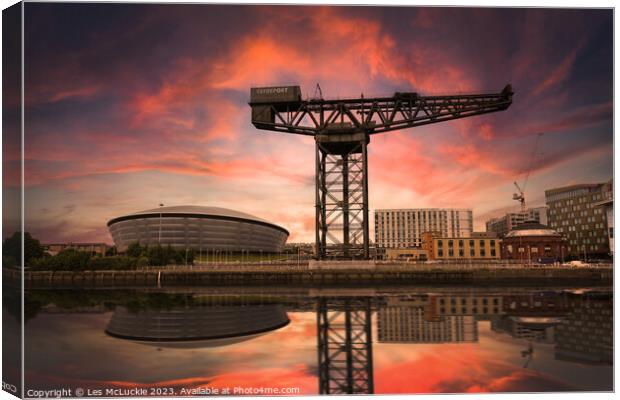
(185, 341)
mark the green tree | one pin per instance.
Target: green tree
(135, 250)
(66, 260)
(142, 262)
(12, 248)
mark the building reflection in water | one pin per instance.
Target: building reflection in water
(578, 324)
(538, 329)
(196, 326)
(435, 318)
(343, 331)
(586, 334)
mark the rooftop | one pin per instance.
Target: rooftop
(186, 210)
(202, 210)
(572, 187)
(531, 229)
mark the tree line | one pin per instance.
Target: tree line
(136, 256)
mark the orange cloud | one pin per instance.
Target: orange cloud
(456, 368)
(84, 91)
(471, 156)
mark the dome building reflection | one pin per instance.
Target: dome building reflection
(196, 327)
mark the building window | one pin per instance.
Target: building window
(451, 253)
(483, 252)
(440, 253)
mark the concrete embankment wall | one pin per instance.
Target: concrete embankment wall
(480, 276)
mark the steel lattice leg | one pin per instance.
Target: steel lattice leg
(342, 229)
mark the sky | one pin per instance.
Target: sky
(130, 106)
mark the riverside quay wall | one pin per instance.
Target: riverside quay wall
(304, 276)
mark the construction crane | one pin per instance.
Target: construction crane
(342, 130)
(520, 195)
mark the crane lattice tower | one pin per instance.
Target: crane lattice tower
(342, 130)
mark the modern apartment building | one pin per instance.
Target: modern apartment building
(502, 225)
(573, 212)
(403, 228)
(607, 204)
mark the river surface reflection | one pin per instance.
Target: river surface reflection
(309, 341)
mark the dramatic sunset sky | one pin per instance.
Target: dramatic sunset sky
(129, 106)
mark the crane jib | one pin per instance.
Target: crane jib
(278, 107)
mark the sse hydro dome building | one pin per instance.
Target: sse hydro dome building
(198, 228)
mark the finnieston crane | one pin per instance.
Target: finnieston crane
(520, 196)
(342, 130)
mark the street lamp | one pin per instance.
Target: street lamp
(160, 215)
